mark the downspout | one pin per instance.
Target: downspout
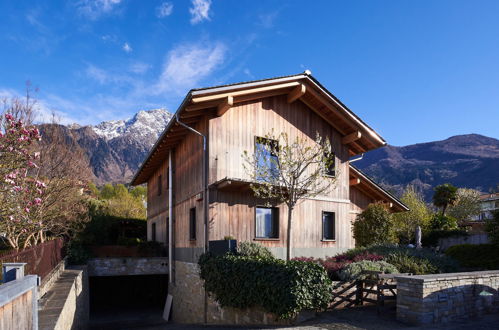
(170, 217)
(205, 201)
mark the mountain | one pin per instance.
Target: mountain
(470, 161)
(115, 149)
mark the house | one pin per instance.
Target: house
(488, 204)
(196, 166)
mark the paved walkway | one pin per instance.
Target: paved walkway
(347, 319)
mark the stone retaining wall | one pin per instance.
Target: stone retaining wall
(440, 298)
(127, 266)
(189, 301)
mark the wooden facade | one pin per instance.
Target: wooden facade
(231, 117)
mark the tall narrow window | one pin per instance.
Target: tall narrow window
(267, 159)
(328, 226)
(160, 185)
(153, 232)
(267, 222)
(330, 163)
(192, 224)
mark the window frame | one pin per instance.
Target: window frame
(192, 224)
(153, 232)
(266, 141)
(276, 222)
(324, 239)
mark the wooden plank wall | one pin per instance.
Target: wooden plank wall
(18, 313)
(233, 214)
(235, 131)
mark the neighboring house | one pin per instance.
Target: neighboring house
(232, 118)
(488, 204)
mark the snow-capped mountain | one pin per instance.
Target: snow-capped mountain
(144, 126)
(115, 149)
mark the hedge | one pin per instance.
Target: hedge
(277, 286)
(480, 257)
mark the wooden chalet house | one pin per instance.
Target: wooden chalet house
(200, 153)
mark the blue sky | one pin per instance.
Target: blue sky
(415, 71)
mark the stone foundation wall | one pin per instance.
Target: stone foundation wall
(440, 298)
(188, 305)
(127, 266)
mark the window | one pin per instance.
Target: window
(160, 185)
(153, 232)
(267, 222)
(328, 226)
(330, 163)
(192, 224)
(266, 151)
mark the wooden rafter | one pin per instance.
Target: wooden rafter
(354, 181)
(352, 137)
(296, 93)
(225, 105)
(200, 99)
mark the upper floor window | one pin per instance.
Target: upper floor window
(266, 151)
(330, 164)
(266, 222)
(328, 226)
(160, 185)
(153, 231)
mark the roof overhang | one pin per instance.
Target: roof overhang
(365, 184)
(215, 101)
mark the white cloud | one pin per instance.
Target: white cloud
(139, 67)
(200, 11)
(93, 9)
(267, 20)
(127, 48)
(187, 64)
(164, 10)
(97, 74)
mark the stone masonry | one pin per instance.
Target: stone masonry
(189, 301)
(441, 298)
(127, 266)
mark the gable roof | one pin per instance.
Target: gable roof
(216, 100)
(371, 188)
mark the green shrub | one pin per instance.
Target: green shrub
(251, 249)
(374, 226)
(410, 264)
(439, 263)
(481, 257)
(492, 228)
(277, 286)
(431, 238)
(443, 222)
(355, 270)
(77, 253)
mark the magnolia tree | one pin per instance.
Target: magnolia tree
(21, 192)
(288, 171)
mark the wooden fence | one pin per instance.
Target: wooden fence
(40, 259)
(19, 304)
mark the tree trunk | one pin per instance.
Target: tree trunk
(443, 209)
(288, 245)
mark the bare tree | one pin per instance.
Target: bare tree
(289, 171)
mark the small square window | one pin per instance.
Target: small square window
(266, 222)
(328, 226)
(192, 224)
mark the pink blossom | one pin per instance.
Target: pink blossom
(26, 209)
(9, 117)
(37, 201)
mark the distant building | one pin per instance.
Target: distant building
(488, 203)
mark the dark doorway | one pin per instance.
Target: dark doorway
(118, 302)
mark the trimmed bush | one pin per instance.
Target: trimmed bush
(431, 238)
(251, 249)
(479, 257)
(374, 226)
(354, 271)
(279, 287)
(423, 260)
(492, 228)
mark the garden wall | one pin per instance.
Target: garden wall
(441, 298)
(475, 239)
(189, 298)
